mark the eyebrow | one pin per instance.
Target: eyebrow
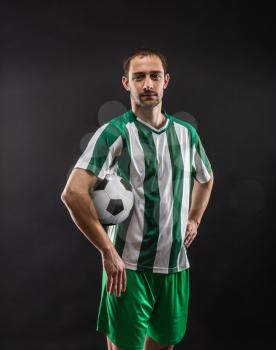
(153, 71)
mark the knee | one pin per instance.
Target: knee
(150, 344)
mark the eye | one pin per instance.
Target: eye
(138, 77)
(156, 76)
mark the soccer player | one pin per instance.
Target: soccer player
(145, 277)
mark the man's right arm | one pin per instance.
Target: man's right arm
(79, 203)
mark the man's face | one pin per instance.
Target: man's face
(146, 81)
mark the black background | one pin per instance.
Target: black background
(60, 65)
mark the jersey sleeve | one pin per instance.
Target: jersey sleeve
(102, 151)
(201, 166)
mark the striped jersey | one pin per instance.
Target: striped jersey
(161, 165)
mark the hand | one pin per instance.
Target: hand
(115, 271)
(191, 232)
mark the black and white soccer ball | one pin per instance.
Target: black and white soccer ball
(113, 199)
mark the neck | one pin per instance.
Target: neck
(152, 116)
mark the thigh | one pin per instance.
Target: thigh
(168, 321)
(124, 319)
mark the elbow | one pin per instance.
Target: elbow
(63, 197)
(67, 196)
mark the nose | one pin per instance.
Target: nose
(147, 83)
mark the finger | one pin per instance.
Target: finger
(124, 279)
(114, 284)
(187, 236)
(119, 283)
(189, 240)
(109, 283)
(187, 243)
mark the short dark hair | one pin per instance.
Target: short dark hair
(143, 51)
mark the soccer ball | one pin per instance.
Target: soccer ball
(113, 199)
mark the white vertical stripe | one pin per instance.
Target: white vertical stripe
(184, 142)
(134, 235)
(165, 184)
(111, 232)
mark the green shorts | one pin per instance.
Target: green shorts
(154, 304)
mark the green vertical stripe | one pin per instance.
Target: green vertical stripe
(120, 234)
(152, 199)
(202, 155)
(101, 149)
(123, 171)
(177, 189)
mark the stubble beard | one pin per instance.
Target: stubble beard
(147, 104)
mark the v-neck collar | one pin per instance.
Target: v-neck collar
(157, 131)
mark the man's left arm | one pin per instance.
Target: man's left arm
(200, 197)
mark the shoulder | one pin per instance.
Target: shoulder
(117, 125)
(120, 122)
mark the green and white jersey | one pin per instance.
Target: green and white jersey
(161, 165)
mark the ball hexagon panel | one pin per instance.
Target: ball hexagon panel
(115, 206)
(121, 217)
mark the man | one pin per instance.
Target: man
(145, 257)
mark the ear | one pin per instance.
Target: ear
(125, 83)
(166, 81)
